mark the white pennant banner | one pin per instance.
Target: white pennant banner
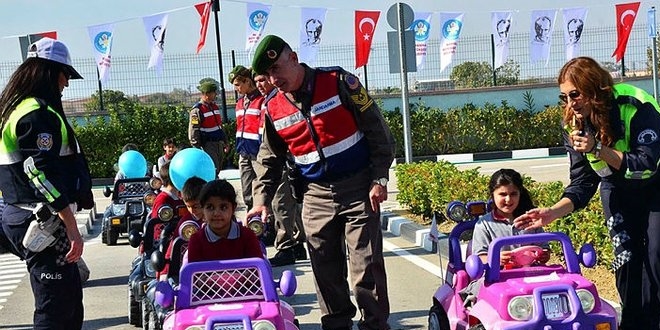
(574, 19)
(101, 37)
(542, 25)
(451, 26)
(312, 21)
(501, 23)
(257, 16)
(155, 27)
(421, 26)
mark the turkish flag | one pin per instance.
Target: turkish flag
(365, 26)
(625, 18)
(204, 11)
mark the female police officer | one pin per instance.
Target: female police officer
(42, 168)
(612, 137)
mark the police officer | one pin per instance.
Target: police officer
(612, 135)
(343, 149)
(41, 163)
(205, 124)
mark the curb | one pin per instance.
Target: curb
(489, 155)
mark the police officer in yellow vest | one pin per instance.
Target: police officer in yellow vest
(205, 124)
(612, 137)
(343, 149)
(44, 179)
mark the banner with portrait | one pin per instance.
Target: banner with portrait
(541, 28)
(154, 27)
(451, 25)
(501, 24)
(574, 19)
(101, 37)
(257, 16)
(421, 26)
(311, 27)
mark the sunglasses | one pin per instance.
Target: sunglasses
(574, 94)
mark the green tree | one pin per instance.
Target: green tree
(112, 100)
(508, 73)
(472, 75)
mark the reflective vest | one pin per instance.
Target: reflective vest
(210, 126)
(628, 98)
(247, 126)
(325, 143)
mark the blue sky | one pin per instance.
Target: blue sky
(70, 19)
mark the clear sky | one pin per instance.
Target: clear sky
(70, 19)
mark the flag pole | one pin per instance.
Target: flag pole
(233, 65)
(366, 83)
(223, 97)
(98, 78)
(492, 47)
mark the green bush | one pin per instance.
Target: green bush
(429, 187)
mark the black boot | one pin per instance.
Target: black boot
(300, 251)
(283, 258)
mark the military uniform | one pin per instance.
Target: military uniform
(350, 148)
(205, 126)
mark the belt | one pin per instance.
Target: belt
(27, 206)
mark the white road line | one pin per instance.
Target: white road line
(7, 287)
(549, 165)
(14, 263)
(10, 282)
(421, 263)
(7, 277)
(6, 294)
(13, 270)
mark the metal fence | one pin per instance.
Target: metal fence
(181, 72)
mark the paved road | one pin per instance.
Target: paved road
(413, 273)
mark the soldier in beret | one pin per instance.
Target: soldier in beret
(205, 124)
(342, 148)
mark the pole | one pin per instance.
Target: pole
(492, 56)
(654, 52)
(366, 82)
(98, 78)
(233, 65)
(404, 87)
(623, 66)
(223, 97)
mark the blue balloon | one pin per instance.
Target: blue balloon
(191, 162)
(132, 164)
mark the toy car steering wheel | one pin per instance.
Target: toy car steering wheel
(525, 255)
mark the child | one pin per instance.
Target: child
(170, 147)
(223, 237)
(190, 195)
(510, 200)
(168, 195)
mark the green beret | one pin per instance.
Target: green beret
(239, 71)
(207, 85)
(267, 52)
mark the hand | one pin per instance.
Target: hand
(261, 210)
(377, 195)
(505, 258)
(543, 257)
(582, 142)
(76, 250)
(534, 218)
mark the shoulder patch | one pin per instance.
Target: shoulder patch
(352, 81)
(44, 141)
(647, 136)
(194, 119)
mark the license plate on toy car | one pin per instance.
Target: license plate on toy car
(555, 306)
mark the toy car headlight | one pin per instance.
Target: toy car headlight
(149, 198)
(521, 308)
(155, 183)
(457, 212)
(165, 213)
(587, 300)
(118, 209)
(256, 225)
(187, 229)
(263, 325)
(149, 268)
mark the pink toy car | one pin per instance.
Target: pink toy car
(228, 294)
(528, 297)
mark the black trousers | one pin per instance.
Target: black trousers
(56, 286)
(637, 279)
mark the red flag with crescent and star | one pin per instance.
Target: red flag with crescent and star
(365, 27)
(204, 11)
(625, 18)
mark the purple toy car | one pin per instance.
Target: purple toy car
(533, 297)
(228, 294)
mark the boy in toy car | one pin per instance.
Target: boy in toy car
(168, 195)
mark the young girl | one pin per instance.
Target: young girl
(223, 237)
(510, 200)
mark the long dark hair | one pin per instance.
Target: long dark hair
(507, 176)
(36, 77)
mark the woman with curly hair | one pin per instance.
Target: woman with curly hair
(612, 138)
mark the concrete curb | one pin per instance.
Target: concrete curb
(490, 155)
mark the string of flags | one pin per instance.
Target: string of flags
(313, 20)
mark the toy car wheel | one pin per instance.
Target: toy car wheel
(146, 315)
(478, 327)
(104, 236)
(133, 310)
(438, 319)
(112, 236)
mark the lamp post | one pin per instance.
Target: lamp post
(223, 97)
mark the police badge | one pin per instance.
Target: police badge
(44, 141)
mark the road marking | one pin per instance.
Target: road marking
(13, 270)
(421, 263)
(549, 165)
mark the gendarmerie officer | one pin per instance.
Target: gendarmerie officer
(43, 171)
(343, 149)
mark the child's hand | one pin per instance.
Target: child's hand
(543, 257)
(505, 257)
